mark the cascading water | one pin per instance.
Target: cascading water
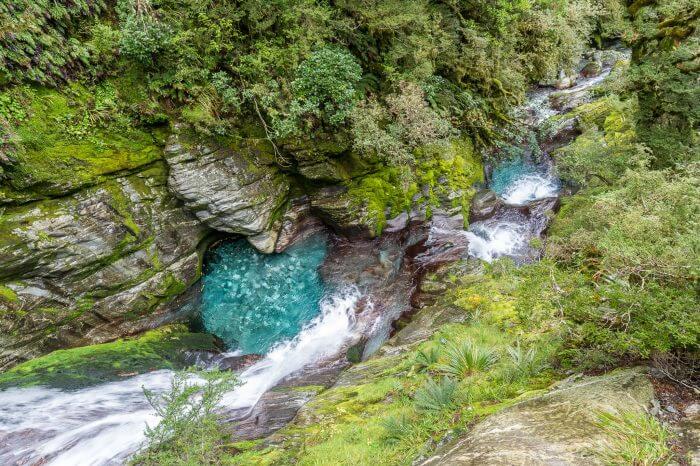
(105, 424)
(271, 305)
(521, 183)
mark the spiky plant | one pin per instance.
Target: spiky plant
(436, 396)
(397, 428)
(463, 359)
(425, 359)
(525, 362)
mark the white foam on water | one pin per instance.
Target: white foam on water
(105, 424)
(491, 239)
(529, 188)
(92, 426)
(322, 338)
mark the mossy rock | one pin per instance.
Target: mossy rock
(62, 146)
(75, 368)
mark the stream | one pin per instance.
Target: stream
(299, 310)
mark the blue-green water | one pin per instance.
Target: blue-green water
(253, 300)
(507, 173)
(520, 182)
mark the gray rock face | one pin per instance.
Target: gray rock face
(104, 262)
(231, 190)
(557, 428)
(335, 207)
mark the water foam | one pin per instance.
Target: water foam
(491, 239)
(105, 424)
(321, 339)
(530, 187)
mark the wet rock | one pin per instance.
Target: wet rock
(591, 69)
(337, 209)
(297, 224)
(397, 223)
(325, 158)
(275, 410)
(565, 81)
(101, 263)
(233, 190)
(558, 427)
(484, 205)
(265, 241)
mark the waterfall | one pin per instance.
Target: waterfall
(105, 424)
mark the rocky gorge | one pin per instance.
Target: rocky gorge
(427, 312)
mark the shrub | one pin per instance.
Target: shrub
(142, 35)
(394, 130)
(189, 431)
(323, 90)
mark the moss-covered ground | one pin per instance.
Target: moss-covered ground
(88, 365)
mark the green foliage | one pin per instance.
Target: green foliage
(323, 91)
(607, 148)
(38, 40)
(664, 76)
(436, 396)
(466, 357)
(645, 228)
(634, 438)
(526, 362)
(426, 358)
(394, 130)
(64, 140)
(142, 36)
(189, 431)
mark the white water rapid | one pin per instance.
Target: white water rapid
(104, 424)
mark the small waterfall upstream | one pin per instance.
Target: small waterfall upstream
(104, 424)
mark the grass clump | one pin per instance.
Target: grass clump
(634, 438)
(436, 395)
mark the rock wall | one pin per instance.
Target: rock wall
(94, 265)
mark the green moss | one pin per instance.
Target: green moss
(80, 367)
(443, 176)
(7, 294)
(74, 138)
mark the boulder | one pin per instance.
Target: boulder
(104, 262)
(485, 204)
(557, 428)
(591, 69)
(233, 189)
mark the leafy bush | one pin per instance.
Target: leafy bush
(189, 431)
(323, 90)
(644, 228)
(393, 131)
(142, 37)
